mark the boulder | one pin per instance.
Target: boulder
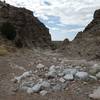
(24, 75)
(36, 88)
(70, 71)
(69, 77)
(82, 75)
(45, 84)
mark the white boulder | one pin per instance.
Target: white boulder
(82, 75)
(45, 84)
(70, 71)
(68, 77)
(36, 88)
(24, 75)
(52, 68)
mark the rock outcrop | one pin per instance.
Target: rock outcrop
(30, 31)
(87, 43)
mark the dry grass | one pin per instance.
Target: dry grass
(3, 51)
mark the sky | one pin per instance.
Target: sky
(64, 18)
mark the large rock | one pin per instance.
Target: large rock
(87, 43)
(82, 75)
(30, 31)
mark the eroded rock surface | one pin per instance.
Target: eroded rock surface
(86, 43)
(30, 31)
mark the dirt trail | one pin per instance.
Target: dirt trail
(27, 60)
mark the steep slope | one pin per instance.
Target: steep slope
(87, 43)
(30, 31)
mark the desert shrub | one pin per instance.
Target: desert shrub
(3, 51)
(8, 31)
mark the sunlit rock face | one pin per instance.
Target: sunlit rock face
(30, 31)
(87, 43)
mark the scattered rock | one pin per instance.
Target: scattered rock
(55, 79)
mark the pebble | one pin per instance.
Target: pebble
(62, 80)
(40, 66)
(43, 92)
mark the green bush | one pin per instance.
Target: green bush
(8, 31)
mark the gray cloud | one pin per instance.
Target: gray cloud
(75, 12)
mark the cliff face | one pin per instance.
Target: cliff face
(87, 43)
(30, 31)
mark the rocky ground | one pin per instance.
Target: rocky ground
(47, 75)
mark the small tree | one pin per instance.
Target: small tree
(8, 31)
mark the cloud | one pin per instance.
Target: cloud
(61, 13)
